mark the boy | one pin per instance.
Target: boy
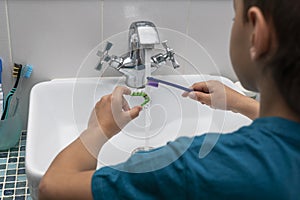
(260, 161)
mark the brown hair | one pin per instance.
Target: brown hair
(285, 64)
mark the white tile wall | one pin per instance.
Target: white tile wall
(210, 25)
(118, 14)
(56, 35)
(205, 25)
(5, 47)
(53, 36)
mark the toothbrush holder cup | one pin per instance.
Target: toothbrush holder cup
(10, 130)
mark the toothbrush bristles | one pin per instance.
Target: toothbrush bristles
(142, 94)
(16, 70)
(153, 83)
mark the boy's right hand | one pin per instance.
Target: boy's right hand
(219, 96)
(214, 94)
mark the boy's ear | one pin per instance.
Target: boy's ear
(259, 35)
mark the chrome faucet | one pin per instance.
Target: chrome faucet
(143, 35)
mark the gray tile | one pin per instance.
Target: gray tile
(13, 154)
(20, 191)
(20, 197)
(9, 185)
(10, 178)
(8, 192)
(2, 166)
(21, 165)
(3, 155)
(21, 171)
(12, 160)
(28, 198)
(8, 198)
(21, 184)
(10, 172)
(3, 161)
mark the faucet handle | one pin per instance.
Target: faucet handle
(104, 57)
(170, 54)
(165, 45)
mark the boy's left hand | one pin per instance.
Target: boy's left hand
(112, 112)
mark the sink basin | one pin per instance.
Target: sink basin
(59, 112)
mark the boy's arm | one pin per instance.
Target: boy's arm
(217, 95)
(70, 174)
(246, 106)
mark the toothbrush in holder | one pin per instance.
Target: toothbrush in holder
(16, 73)
(154, 82)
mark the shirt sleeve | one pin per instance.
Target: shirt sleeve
(146, 175)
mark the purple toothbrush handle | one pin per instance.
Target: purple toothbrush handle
(154, 82)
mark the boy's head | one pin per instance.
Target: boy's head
(266, 43)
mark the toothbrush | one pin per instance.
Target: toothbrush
(154, 82)
(25, 73)
(16, 72)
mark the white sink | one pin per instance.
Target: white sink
(59, 111)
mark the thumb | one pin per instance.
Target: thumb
(135, 111)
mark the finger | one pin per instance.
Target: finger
(130, 114)
(201, 97)
(201, 87)
(117, 97)
(192, 95)
(134, 112)
(125, 105)
(185, 94)
(120, 90)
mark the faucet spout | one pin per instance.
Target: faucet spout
(142, 38)
(143, 35)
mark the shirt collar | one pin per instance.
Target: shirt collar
(280, 126)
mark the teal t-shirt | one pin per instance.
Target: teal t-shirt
(260, 161)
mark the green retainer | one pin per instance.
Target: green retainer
(142, 94)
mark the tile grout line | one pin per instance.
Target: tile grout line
(9, 152)
(27, 195)
(17, 164)
(26, 185)
(4, 177)
(187, 30)
(101, 20)
(8, 33)
(16, 174)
